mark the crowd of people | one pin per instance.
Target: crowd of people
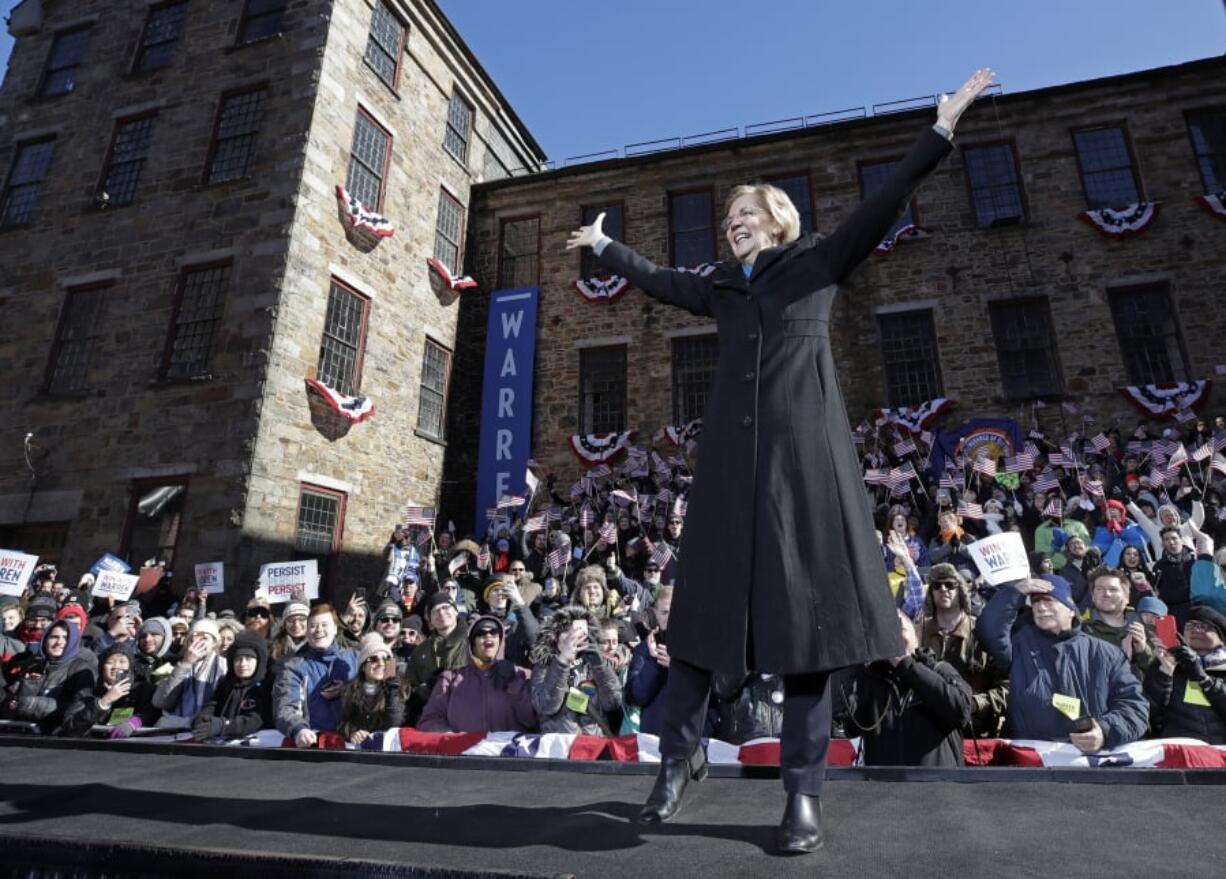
(556, 618)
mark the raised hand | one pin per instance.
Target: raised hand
(586, 236)
(953, 106)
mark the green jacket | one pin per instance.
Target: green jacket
(431, 658)
(1043, 539)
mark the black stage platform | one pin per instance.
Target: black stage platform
(145, 809)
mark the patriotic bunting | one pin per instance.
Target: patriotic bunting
(1214, 205)
(356, 409)
(1124, 223)
(913, 419)
(682, 436)
(360, 218)
(442, 279)
(908, 232)
(606, 290)
(1167, 399)
(593, 448)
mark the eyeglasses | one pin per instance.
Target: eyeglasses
(381, 620)
(486, 633)
(517, 570)
(378, 660)
(1198, 626)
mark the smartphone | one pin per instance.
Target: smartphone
(123, 675)
(1082, 725)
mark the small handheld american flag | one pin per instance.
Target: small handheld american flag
(661, 555)
(1054, 508)
(419, 516)
(608, 532)
(558, 559)
(483, 557)
(968, 510)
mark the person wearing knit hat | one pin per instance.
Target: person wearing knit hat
(1151, 608)
(119, 701)
(388, 623)
(242, 705)
(291, 633)
(194, 680)
(39, 615)
(42, 683)
(446, 648)
(1187, 686)
(373, 701)
(1063, 683)
(488, 694)
(153, 659)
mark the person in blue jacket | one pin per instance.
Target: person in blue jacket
(1063, 684)
(1116, 533)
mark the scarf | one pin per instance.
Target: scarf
(200, 686)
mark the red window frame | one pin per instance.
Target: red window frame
(180, 289)
(442, 434)
(444, 192)
(387, 153)
(338, 532)
(400, 50)
(212, 151)
(110, 150)
(359, 355)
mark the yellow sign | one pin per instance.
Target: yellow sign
(1194, 695)
(1069, 706)
(577, 701)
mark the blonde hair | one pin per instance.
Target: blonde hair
(778, 205)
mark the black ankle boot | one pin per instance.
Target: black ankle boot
(665, 799)
(801, 828)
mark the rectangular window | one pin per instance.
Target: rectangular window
(614, 226)
(25, 183)
(198, 308)
(435, 371)
(873, 176)
(520, 253)
(67, 50)
(798, 190)
(320, 527)
(75, 338)
(129, 148)
(385, 44)
(602, 389)
(1026, 348)
(43, 539)
(460, 115)
(1108, 174)
(161, 36)
(1150, 341)
(155, 519)
(909, 353)
(238, 123)
(340, 353)
(449, 232)
(261, 18)
(372, 148)
(1208, 131)
(691, 229)
(995, 184)
(694, 362)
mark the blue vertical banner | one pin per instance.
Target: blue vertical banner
(506, 398)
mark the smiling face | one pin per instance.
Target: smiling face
(1050, 615)
(114, 665)
(56, 643)
(1130, 557)
(749, 228)
(321, 631)
(1109, 595)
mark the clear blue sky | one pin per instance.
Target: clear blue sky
(586, 77)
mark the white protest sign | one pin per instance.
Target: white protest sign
(1001, 558)
(211, 577)
(112, 584)
(15, 570)
(282, 581)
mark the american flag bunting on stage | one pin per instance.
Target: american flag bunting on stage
(1123, 223)
(605, 290)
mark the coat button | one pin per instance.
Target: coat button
(749, 376)
(753, 337)
(747, 421)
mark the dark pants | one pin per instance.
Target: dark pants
(806, 723)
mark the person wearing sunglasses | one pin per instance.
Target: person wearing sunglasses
(1187, 686)
(373, 701)
(489, 694)
(258, 616)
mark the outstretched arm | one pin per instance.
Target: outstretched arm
(682, 289)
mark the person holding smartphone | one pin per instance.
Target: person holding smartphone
(118, 702)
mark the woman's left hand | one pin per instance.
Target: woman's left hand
(953, 106)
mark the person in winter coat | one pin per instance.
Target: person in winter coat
(573, 687)
(898, 523)
(120, 700)
(290, 635)
(506, 601)
(1168, 517)
(445, 648)
(306, 691)
(42, 685)
(242, 705)
(649, 663)
(1060, 679)
(950, 544)
(1173, 573)
(1116, 533)
(152, 659)
(910, 709)
(1110, 618)
(373, 701)
(1187, 687)
(195, 679)
(489, 694)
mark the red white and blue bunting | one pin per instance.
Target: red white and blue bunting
(594, 448)
(442, 279)
(606, 290)
(1214, 204)
(362, 219)
(1168, 400)
(914, 419)
(909, 232)
(356, 409)
(1124, 223)
(701, 270)
(681, 437)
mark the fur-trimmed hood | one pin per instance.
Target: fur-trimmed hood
(546, 646)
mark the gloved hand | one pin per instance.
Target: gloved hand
(208, 728)
(1189, 663)
(125, 728)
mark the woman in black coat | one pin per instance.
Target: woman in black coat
(779, 567)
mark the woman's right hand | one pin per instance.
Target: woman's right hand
(587, 236)
(115, 692)
(570, 644)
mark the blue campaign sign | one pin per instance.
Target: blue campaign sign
(110, 562)
(506, 398)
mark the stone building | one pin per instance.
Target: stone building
(176, 266)
(1010, 301)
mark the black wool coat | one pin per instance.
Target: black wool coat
(780, 570)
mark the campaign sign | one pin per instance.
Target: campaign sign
(211, 577)
(282, 581)
(1001, 558)
(15, 570)
(113, 584)
(110, 562)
